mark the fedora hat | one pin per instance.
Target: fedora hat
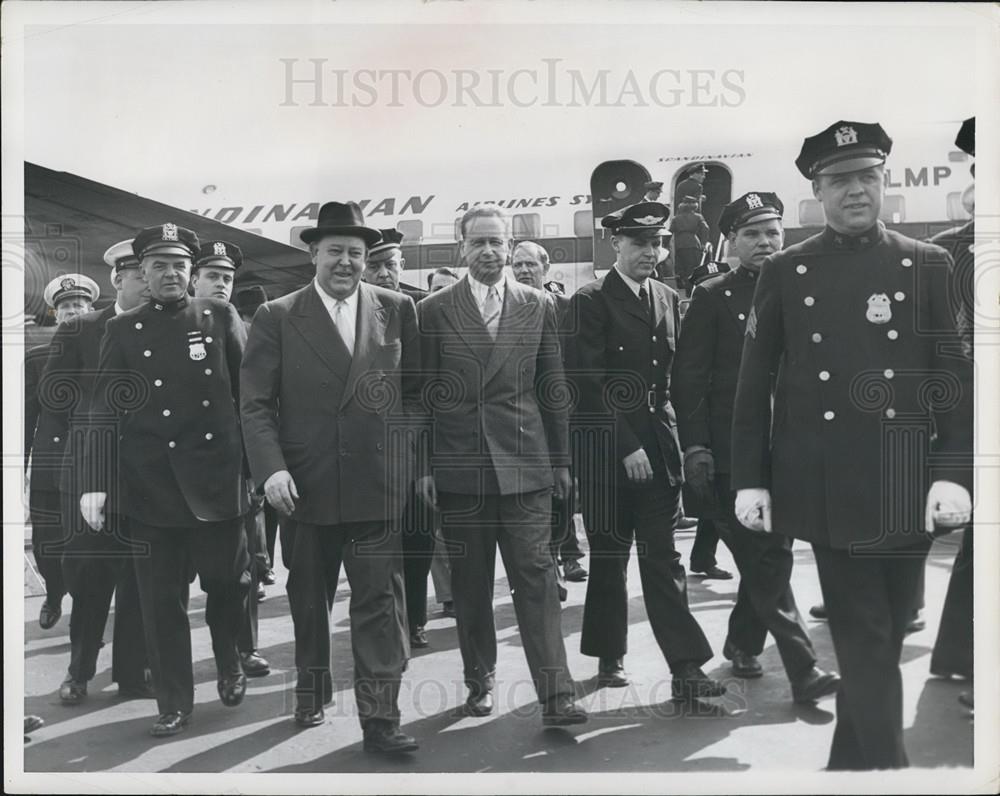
(341, 218)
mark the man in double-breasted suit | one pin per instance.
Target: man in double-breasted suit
(626, 455)
(330, 389)
(498, 445)
(704, 388)
(857, 445)
(169, 376)
(95, 565)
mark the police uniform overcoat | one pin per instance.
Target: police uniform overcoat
(872, 375)
(170, 373)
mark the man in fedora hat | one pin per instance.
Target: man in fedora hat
(330, 385)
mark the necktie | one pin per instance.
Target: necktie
(342, 319)
(644, 300)
(491, 312)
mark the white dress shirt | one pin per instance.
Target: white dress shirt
(350, 308)
(481, 290)
(634, 286)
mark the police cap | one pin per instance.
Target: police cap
(843, 147)
(220, 254)
(165, 239)
(749, 209)
(121, 256)
(391, 239)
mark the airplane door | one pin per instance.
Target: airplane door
(614, 184)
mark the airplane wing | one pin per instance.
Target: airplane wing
(71, 221)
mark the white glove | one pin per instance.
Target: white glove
(92, 508)
(949, 505)
(753, 509)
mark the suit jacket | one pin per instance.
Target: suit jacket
(619, 360)
(703, 382)
(960, 243)
(169, 374)
(342, 425)
(415, 293)
(71, 370)
(870, 394)
(498, 409)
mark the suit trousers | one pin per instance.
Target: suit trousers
(270, 532)
(48, 540)
(371, 554)
(440, 567)
(564, 541)
(706, 541)
(953, 647)
(473, 527)
(418, 551)
(765, 601)
(253, 526)
(869, 601)
(163, 558)
(95, 567)
(645, 514)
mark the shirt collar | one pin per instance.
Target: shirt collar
(634, 286)
(480, 290)
(118, 309)
(330, 302)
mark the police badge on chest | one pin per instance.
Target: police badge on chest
(879, 308)
(196, 346)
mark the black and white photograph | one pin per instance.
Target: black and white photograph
(456, 396)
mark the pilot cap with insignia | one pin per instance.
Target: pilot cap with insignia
(749, 209)
(843, 147)
(71, 286)
(708, 270)
(391, 239)
(121, 256)
(638, 219)
(165, 239)
(697, 167)
(220, 254)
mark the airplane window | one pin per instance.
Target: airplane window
(527, 225)
(295, 240)
(583, 223)
(956, 210)
(893, 209)
(412, 231)
(811, 213)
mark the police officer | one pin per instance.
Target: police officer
(626, 454)
(95, 566)
(952, 654)
(169, 371)
(212, 276)
(69, 295)
(859, 320)
(704, 388)
(385, 263)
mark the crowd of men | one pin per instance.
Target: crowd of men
(821, 392)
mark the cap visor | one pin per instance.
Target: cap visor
(850, 164)
(216, 262)
(167, 248)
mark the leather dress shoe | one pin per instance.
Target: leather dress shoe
(685, 523)
(142, 690)
(561, 711)
(690, 682)
(418, 638)
(818, 611)
(563, 594)
(268, 578)
(746, 665)
(307, 717)
(917, 623)
(255, 665)
(611, 673)
(572, 571)
(448, 608)
(385, 737)
(48, 615)
(232, 686)
(713, 572)
(170, 723)
(479, 704)
(72, 692)
(814, 684)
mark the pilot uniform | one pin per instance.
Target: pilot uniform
(169, 373)
(619, 360)
(704, 388)
(95, 565)
(870, 377)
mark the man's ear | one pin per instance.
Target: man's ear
(817, 192)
